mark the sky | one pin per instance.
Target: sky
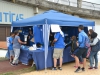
(93, 1)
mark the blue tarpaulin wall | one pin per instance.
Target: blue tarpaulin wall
(52, 17)
(38, 34)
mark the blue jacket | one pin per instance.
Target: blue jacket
(81, 39)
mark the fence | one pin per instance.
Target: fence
(84, 4)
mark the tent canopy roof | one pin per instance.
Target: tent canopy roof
(53, 17)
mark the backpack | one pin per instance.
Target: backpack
(87, 42)
(73, 46)
(96, 47)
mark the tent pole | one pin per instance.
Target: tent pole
(45, 44)
(46, 34)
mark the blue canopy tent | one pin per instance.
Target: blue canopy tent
(52, 17)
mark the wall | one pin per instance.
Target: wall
(97, 29)
(39, 10)
(97, 21)
(11, 12)
(97, 26)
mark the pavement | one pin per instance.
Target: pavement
(5, 66)
(68, 69)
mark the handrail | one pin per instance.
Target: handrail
(85, 4)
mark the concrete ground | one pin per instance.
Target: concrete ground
(5, 67)
(68, 69)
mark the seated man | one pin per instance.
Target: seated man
(38, 45)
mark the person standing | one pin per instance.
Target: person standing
(82, 48)
(94, 51)
(30, 39)
(16, 47)
(10, 48)
(90, 32)
(74, 48)
(58, 49)
(91, 40)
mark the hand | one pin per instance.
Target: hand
(24, 42)
(72, 55)
(28, 37)
(52, 44)
(77, 43)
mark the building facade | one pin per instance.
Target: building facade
(11, 12)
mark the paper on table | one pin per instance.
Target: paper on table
(55, 28)
(33, 47)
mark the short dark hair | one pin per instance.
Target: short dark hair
(16, 32)
(11, 33)
(81, 27)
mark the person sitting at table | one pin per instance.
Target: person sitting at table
(51, 38)
(38, 45)
(30, 39)
(58, 48)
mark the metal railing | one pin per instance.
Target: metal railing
(84, 4)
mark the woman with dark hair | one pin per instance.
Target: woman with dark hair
(74, 48)
(93, 53)
(90, 32)
(90, 39)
